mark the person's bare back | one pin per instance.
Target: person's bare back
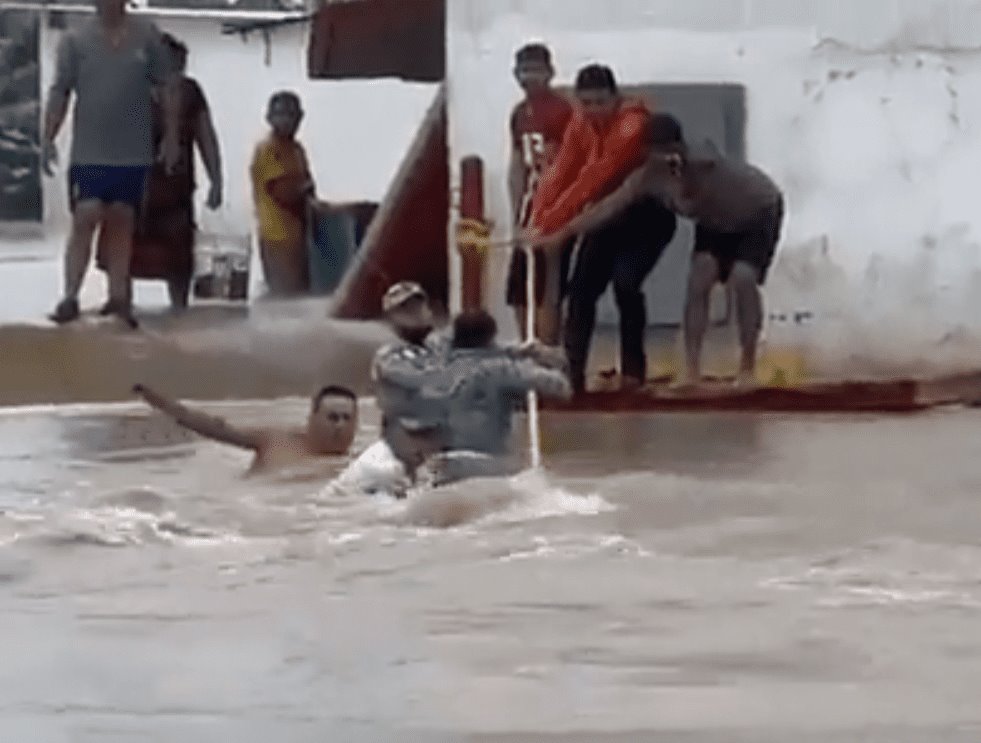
(331, 425)
(286, 450)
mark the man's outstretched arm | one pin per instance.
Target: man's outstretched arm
(521, 376)
(206, 425)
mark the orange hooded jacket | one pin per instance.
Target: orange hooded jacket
(590, 164)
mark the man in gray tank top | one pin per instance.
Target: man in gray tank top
(111, 63)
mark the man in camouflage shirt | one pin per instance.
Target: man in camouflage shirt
(479, 386)
(409, 425)
(436, 397)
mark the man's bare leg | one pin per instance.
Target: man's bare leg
(702, 277)
(103, 251)
(749, 315)
(548, 327)
(118, 228)
(547, 320)
(86, 217)
(548, 317)
(521, 318)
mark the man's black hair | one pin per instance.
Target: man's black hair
(174, 44)
(665, 129)
(534, 52)
(474, 329)
(332, 390)
(596, 77)
(285, 96)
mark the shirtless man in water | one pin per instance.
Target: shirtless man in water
(331, 426)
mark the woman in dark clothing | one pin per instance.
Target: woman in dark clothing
(163, 244)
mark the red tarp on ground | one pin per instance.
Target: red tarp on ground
(379, 38)
(835, 397)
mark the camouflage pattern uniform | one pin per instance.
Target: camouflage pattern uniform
(434, 398)
(410, 424)
(479, 390)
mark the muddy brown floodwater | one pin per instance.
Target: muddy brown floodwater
(678, 577)
(684, 577)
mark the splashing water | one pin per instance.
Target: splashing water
(526, 496)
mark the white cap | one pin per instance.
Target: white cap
(400, 293)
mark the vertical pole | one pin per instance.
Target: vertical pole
(471, 208)
(534, 432)
(524, 216)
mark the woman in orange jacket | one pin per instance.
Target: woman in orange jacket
(605, 141)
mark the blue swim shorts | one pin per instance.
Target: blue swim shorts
(108, 183)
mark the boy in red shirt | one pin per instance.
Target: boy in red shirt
(537, 125)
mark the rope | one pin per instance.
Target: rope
(524, 214)
(473, 235)
(534, 433)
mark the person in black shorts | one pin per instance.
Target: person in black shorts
(755, 246)
(741, 259)
(738, 213)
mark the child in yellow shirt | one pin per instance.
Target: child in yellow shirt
(282, 187)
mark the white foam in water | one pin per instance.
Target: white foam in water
(109, 527)
(576, 546)
(883, 596)
(527, 496)
(346, 538)
(522, 497)
(891, 572)
(540, 499)
(122, 526)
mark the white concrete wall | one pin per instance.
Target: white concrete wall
(867, 113)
